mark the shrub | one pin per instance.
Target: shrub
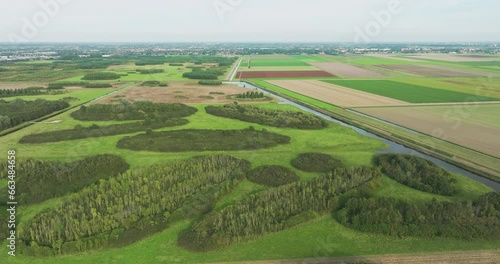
(209, 82)
(273, 176)
(316, 162)
(101, 76)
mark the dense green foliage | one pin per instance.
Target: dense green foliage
(38, 181)
(410, 93)
(3, 70)
(250, 95)
(154, 84)
(210, 82)
(466, 220)
(98, 85)
(176, 64)
(267, 117)
(20, 92)
(417, 173)
(316, 162)
(151, 71)
(203, 74)
(125, 110)
(203, 140)
(13, 113)
(273, 175)
(94, 131)
(62, 85)
(273, 210)
(132, 204)
(101, 76)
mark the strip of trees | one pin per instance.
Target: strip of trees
(95, 131)
(417, 173)
(203, 140)
(274, 118)
(96, 76)
(316, 162)
(466, 220)
(272, 175)
(126, 110)
(210, 82)
(16, 112)
(20, 92)
(151, 71)
(274, 210)
(131, 203)
(250, 95)
(38, 181)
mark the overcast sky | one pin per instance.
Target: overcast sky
(249, 20)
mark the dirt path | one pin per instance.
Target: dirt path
(474, 257)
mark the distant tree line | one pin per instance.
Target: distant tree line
(80, 132)
(3, 70)
(417, 173)
(151, 71)
(272, 175)
(466, 220)
(274, 118)
(273, 210)
(199, 74)
(16, 112)
(97, 76)
(21, 92)
(154, 84)
(210, 82)
(250, 95)
(62, 85)
(203, 140)
(126, 110)
(38, 181)
(131, 204)
(316, 162)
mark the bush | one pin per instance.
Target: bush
(98, 85)
(202, 140)
(209, 82)
(151, 71)
(176, 64)
(154, 84)
(273, 176)
(275, 118)
(417, 173)
(316, 162)
(101, 76)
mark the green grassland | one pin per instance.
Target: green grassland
(409, 92)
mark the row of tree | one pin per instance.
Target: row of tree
(250, 95)
(202, 140)
(38, 181)
(272, 175)
(16, 112)
(137, 200)
(467, 220)
(417, 173)
(316, 162)
(20, 92)
(275, 118)
(126, 110)
(95, 131)
(273, 210)
(97, 76)
(151, 71)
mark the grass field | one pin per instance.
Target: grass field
(276, 63)
(409, 92)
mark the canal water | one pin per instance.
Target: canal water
(393, 146)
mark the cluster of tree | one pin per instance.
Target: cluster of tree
(176, 64)
(20, 92)
(38, 181)
(131, 204)
(210, 82)
(154, 84)
(181, 59)
(316, 162)
(73, 61)
(467, 220)
(146, 61)
(274, 118)
(203, 140)
(250, 95)
(62, 85)
(417, 173)
(273, 210)
(97, 76)
(3, 70)
(126, 110)
(94, 131)
(200, 74)
(151, 71)
(15, 112)
(272, 175)
(98, 85)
